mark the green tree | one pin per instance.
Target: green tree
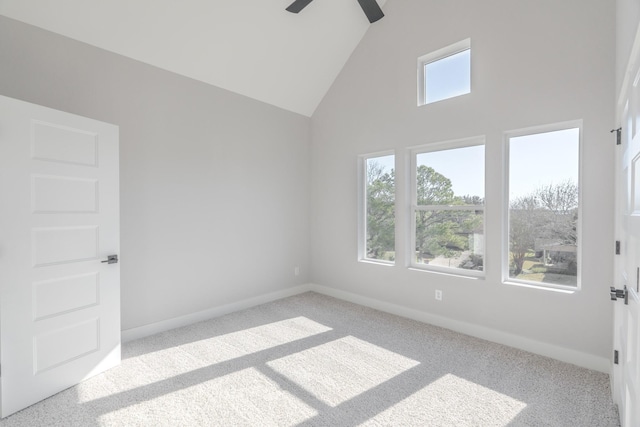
(380, 211)
(442, 232)
(438, 232)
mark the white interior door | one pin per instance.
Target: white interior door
(625, 373)
(59, 218)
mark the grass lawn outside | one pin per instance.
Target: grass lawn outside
(534, 271)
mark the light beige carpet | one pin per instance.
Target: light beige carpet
(311, 360)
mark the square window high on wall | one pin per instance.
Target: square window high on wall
(445, 73)
(377, 213)
(543, 206)
(447, 228)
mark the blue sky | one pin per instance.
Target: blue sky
(534, 161)
(542, 159)
(448, 77)
(463, 166)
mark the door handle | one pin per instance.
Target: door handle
(111, 259)
(620, 293)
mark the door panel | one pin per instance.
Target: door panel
(53, 194)
(59, 143)
(62, 295)
(60, 305)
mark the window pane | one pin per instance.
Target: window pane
(380, 208)
(448, 77)
(451, 177)
(449, 211)
(450, 238)
(543, 207)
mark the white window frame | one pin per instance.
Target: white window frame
(434, 147)
(437, 55)
(362, 206)
(573, 124)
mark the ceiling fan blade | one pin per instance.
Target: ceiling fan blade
(298, 5)
(371, 9)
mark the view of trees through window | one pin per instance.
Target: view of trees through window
(380, 208)
(449, 209)
(448, 221)
(543, 207)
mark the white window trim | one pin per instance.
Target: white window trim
(362, 206)
(433, 147)
(423, 60)
(572, 124)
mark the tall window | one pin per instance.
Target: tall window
(378, 213)
(445, 73)
(543, 206)
(448, 207)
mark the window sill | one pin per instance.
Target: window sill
(377, 262)
(543, 287)
(469, 274)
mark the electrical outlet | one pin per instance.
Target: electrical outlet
(438, 295)
(296, 271)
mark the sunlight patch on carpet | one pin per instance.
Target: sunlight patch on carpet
(452, 400)
(342, 369)
(239, 398)
(157, 366)
(247, 341)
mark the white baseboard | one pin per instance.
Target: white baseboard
(574, 357)
(177, 322)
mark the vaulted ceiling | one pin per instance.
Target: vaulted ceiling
(251, 47)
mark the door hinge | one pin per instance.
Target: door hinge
(617, 247)
(619, 293)
(618, 135)
(615, 357)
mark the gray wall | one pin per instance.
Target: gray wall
(214, 186)
(533, 63)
